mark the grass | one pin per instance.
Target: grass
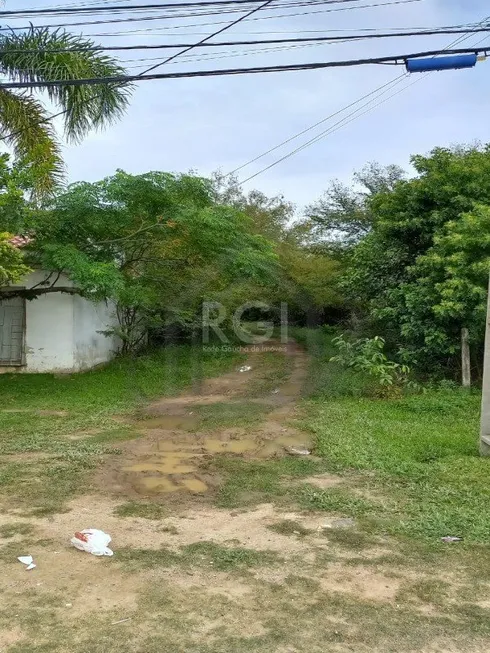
(289, 527)
(198, 554)
(248, 483)
(141, 509)
(411, 474)
(239, 414)
(7, 531)
(55, 429)
(418, 455)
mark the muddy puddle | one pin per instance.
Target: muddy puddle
(174, 449)
(184, 422)
(175, 465)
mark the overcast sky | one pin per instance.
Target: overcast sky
(210, 123)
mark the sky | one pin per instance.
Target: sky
(221, 123)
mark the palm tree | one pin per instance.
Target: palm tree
(40, 55)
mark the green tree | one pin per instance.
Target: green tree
(342, 216)
(15, 213)
(421, 273)
(40, 55)
(157, 244)
(12, 267)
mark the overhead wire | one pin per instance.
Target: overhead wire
(153, 67)
(347, 120)
(204, 43)
(146, 7)
(347, 63)
(190, 15)
(154, 31)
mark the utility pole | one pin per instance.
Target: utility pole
(485, 403)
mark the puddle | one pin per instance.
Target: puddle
(174, 465)
(166, 485)
(166, 446)
(170, 422)
(167, 466)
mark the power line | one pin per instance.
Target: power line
(336, 127)
(218, 12)
(235, 22)
(347, 120)
(126, 8)
(123, 79)
(320, 122)
(154, 31)
(207, 38)
(203, 43)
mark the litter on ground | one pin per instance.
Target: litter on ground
(28, 561)
(92, 541)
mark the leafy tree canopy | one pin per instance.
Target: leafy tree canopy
(158, 244)
(421, 273)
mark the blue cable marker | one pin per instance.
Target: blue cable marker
(453, 62)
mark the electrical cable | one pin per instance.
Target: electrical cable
(348, 63)
(334, 128)
(127, 8)
(348, 119)
(153, 31)
(190, 15)
(203, 43)
(320, 122)
(232, 24)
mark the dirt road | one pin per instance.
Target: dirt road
(191, 576)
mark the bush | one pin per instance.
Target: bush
(367, 356)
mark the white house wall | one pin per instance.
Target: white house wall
(49, 329)
(90, 346)
(61, 330)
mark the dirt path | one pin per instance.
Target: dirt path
(190, 577)
(179, 435)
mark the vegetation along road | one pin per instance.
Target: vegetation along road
(225, 536)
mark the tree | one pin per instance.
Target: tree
(421, 273)
(12, 267)
(342, 216)
(40, 55)
(307, 279)
(15, 181)
(156, 244)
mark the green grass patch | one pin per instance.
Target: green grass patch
(348, 538)
(141, 509)
(239, 414)
(8, 531)
(66, 423)
(419, 452)
(199, 554)
(289, 527)
(247, 483)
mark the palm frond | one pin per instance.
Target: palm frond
(25, 126)
(25, 57)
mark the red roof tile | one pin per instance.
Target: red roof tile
(20, 241)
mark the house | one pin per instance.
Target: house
(57, 331)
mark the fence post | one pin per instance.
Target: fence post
(465, 358)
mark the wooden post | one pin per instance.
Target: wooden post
(485, 406)
(465, 358)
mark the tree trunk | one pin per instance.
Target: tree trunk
(465, 358)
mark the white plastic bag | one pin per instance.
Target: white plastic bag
(92, 541)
